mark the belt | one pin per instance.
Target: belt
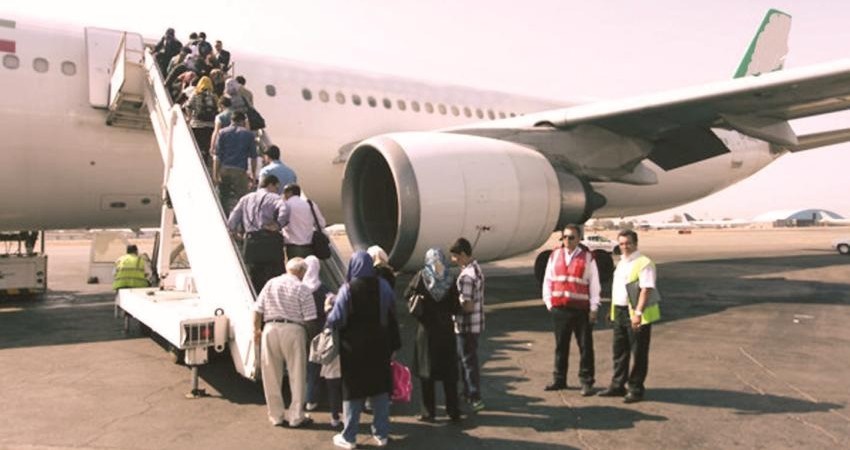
(621, 307)
(283, 321)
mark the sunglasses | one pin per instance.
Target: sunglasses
(570, 237)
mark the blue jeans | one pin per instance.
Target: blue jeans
(380, 416)
(467, 350)
(313, 382)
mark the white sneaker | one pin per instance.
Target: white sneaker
(340, 441)
(380, 442)
(311, 406)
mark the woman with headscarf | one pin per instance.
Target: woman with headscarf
(364, 316)
(432, 300)
(382, 264)
(202, 107)
(320, 292)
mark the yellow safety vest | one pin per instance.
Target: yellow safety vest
(130, 272)
(652, 309)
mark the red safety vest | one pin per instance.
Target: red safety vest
(568, 286)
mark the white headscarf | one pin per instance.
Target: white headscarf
(379, 256)
(311, 278)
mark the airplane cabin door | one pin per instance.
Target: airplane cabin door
(101, 48)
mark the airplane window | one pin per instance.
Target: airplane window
(356, 100)
(372, 101)
(340, 98)
(467, 112)
(271, 91)
(11, 62)
(479, 113)
(387, 103)
(429, 108)
(501, 115)
(40, 65)
(69, 68)
(306, 94)
(323, 96)
(455, 111)
(490, 114)
(442, 108)
(401, 105)
(415, 106)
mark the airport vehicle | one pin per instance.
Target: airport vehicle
(23, 270)
(599, 242)
(842, 245)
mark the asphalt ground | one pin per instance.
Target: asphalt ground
(753, 351)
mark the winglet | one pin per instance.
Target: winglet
(767, 51)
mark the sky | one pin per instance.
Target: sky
(557, 49)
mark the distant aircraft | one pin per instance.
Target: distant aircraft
(406, 165)
(833, 221)
(683, 225)
(722, 223)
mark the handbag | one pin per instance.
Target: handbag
(402, 383)
(414, 305)
(324, 347)
(320, 241)
(255, 120)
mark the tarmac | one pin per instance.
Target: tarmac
(752, 352)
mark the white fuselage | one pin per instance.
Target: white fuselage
(63, 167)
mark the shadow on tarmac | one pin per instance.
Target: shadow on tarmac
(742, 402)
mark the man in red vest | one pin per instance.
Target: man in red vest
(571, 294)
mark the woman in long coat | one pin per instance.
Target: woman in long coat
(432, 299)
(364, 316)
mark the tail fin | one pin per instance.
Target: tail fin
(689, 218)
(769, 46)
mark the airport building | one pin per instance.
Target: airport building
(797, 217)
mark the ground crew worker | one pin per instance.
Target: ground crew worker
(130, 271)
(571, 293)
(634, 307)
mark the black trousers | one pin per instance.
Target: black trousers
(569, 321)
(629, 342)
(428, 403)
(263, 257)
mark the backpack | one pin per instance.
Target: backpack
(208, 109)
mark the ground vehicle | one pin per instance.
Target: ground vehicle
(600, 242)
(842, 245)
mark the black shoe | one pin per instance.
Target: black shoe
(586, 390)
(631, 397)
(304, 423)
(612, 392)
(555, 386)
(425, 418)
(457, 417)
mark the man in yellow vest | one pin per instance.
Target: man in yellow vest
(634, 307)
(571, 294)
(130, 270)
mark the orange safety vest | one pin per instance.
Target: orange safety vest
(568, 287)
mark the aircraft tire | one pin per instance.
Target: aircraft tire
(540, 266)
(844, 249)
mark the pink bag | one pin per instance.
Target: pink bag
(402, 383)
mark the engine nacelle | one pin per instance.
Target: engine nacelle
(408, 192)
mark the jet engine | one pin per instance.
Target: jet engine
(408, 192)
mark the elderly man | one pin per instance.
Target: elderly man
(260, 216)
(282, 308)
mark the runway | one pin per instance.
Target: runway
(752, 352)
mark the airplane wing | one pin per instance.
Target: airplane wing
(673, 128)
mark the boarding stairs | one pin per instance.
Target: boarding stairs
(220, 285)
(127, 87)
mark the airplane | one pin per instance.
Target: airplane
(833, 221)
(685, 224)
(407, 164)
(722, 223)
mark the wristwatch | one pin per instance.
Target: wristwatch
(638, 313)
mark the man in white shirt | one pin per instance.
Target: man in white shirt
(571, 294)
(298, 234)
(634, 306)
(281, 310)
